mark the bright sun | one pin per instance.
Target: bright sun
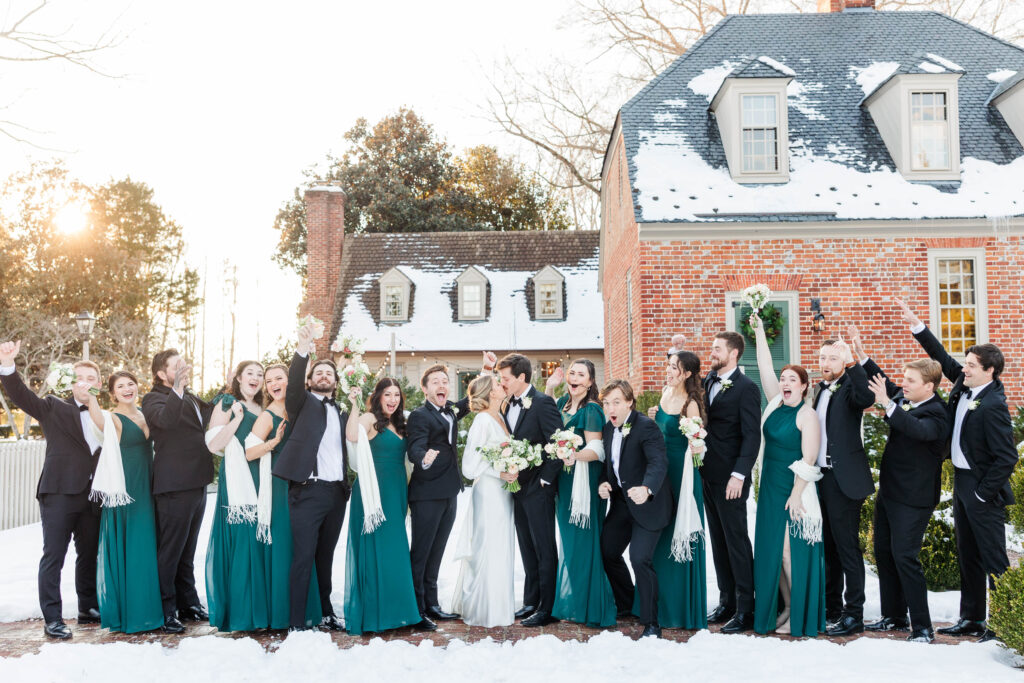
(70, 220)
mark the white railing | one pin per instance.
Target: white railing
(21, 462)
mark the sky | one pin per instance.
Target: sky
(219, 106)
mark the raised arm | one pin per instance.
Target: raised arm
(861, 397)
(769, 381)
(22, 396)
(920, 425)
(554, 381)
(228, 419)
(932, 346)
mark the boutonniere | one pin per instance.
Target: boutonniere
(726, 383)
(625, 429)
(527, 402)
(455, 411)
(834, 388)
(973, 404)
(907, 407)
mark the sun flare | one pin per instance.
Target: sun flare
(71, 219)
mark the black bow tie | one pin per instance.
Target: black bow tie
(714, 379)
(446, 410)
(969, 393)
(329, 401)
(516, 401)
(824, 385)
(82, 409)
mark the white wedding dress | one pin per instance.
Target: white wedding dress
(484, 591)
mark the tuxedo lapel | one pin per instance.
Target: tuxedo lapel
(75, 428)
(439, 418)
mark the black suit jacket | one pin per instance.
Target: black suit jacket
(642, 462)
(734, 429)
(308, 416)
(911, 469)
(69, 462)
(842, 430)
(986, 435)
(427, 429)
(537, 425)
(181, 460)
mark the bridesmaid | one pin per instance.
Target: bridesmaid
(126, 576)
(583, 593)
(379, 593)
(236, 570)
(788, 555)
(682, 585)
(269, 433)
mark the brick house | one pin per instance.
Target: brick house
(447, 296)
(841, 158)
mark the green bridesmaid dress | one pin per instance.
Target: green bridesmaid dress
(583, 593)
(237, 563)
(280, 551)
(126, 576)
(807, 611)
(682, 586)
(379, 594)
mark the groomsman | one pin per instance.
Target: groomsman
(983, 454)
(734, 438)
(533, 416)
(314, 461)
(182, 467)
(431, 435)
(632, 479)
(840, 401)
(63, 488)
(908, 489)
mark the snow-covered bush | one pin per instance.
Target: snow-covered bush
(1006, 608)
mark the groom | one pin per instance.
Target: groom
(532, 416)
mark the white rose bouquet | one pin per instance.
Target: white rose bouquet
(512, 456)
(317, 326)
(564, 444)
(756, 296)
(61, 377)
(355, 375)
(693, 429)
(348, 345)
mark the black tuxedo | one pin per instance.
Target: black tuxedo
(843, 487)
(534, 504)
(642, 462)
(980, 493)
(733, 441)
(182, 467)
(316, 506)
(908, 492)
(433, 492)
(63, 494)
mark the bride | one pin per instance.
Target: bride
(484, 592)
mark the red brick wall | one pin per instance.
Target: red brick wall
(325, 236)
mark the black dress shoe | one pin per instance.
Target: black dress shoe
(846, 626)
(740, 622)
(988, 635)
(832, 617)
(194, 613)
(720, 615)
(331, 623)
(964, 627)
(89, 616)
(435, 613)
(651, 631)
(525, 611)
(425, 624)
(57, 629)
(539, 618)
(888, 624)
(296, 629)
(172, 625)
(922, 635)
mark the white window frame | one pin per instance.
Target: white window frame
(744, 128)
(471, 277)
(727, 106)
(629, 320)
(394, 278)
(977, 254)
(924, 125)
(791, 297)
(549, 275)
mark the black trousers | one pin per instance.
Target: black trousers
(899, 530)
(534, 512)
(844, 561)
(730, 546)
(621, 530)
(980, 543)
(179, 514)
(431, 522)
(66, 516)
(317, 510)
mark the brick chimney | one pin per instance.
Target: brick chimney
(826, 6)
(325, 239)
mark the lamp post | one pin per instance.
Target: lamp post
(86, 321)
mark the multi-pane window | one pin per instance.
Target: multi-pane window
(549, 295)
(472, 301)
(760, 122)
(957, 284)
(929, 131)
(393, 308)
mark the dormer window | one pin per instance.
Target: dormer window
(472, 297)
(394, 296)
(760, 133)
(548, 288)
(929, 131)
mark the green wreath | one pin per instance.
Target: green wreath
(771, 318)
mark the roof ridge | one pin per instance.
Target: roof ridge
(473, 232)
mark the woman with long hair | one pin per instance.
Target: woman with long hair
(583, 593)
(379, 593)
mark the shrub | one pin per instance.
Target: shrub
(1015, 512)
(1006, 608)
(646, 400)
(867, 530)
(938, 556)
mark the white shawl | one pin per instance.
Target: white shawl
(244, 504)
(108, 485)
(579, 505)
(688, 527)
(369, 489)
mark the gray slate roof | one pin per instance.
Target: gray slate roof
(822, 49)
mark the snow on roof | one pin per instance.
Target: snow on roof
(778, 66)
(873, 75)
(1001, 75)
(942, 61)
(508, 326)
(708, 81)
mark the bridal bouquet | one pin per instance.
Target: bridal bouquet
(512, 456)
(564, 443)
(348, 345)
(61, 378)
(756, 296)
(355, 375)
(693, 429)
(317, 325)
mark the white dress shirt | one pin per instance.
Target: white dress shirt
(330, 462)
(962, 407)
(451, 422)
(716, 387)
(616, 453)
(87, 431)
(514, 411)
(822, 410)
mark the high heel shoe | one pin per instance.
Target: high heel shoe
(782, 618)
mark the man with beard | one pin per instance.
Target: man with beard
(846, 482)
(734, 438)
